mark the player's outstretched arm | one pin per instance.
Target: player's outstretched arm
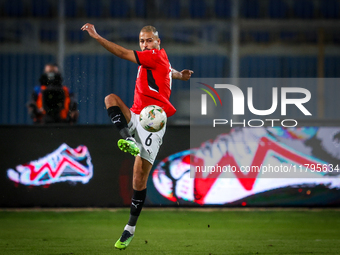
(184, 75)
(115, 49)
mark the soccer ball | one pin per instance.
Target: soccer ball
(152, 118)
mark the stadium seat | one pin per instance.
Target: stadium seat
(304, 9)
(250, 9)
(11, 34)
(260, 36)
(71, 8)
(130, 37)
(119, 9)
(140, 8)
(197, 9)
(2, 36)
(277, 9)
(171, 9)
(260, 66)
(335, 38)
(254, 36)
(14, 8)
(94, 8)
(47, 35)
(289, 36)
(310, 37)
(332, 66)
(330, 9)
(41, 8)
(210, 66)
(75, 36)
(182, 35)
(223, 9)
(301, 66)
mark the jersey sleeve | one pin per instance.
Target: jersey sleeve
(147, 58)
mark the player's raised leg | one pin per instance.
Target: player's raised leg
(120, 115)
(141, 172)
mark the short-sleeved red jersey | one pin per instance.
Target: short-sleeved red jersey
(153, 83)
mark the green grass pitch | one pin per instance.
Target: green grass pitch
(272, 231)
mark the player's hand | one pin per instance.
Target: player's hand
(186, 74)
(91, 30)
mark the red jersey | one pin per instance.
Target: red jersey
(153, 83)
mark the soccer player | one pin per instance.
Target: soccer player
(153, 86)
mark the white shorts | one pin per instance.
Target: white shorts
(147, 142)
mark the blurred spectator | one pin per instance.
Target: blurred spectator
(51, 101)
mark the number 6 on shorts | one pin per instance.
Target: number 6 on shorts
(148, 140)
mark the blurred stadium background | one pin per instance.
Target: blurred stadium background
(215, 38)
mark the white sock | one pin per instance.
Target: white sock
(130, 229)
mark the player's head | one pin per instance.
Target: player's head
(51, 68)
(148, 38)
